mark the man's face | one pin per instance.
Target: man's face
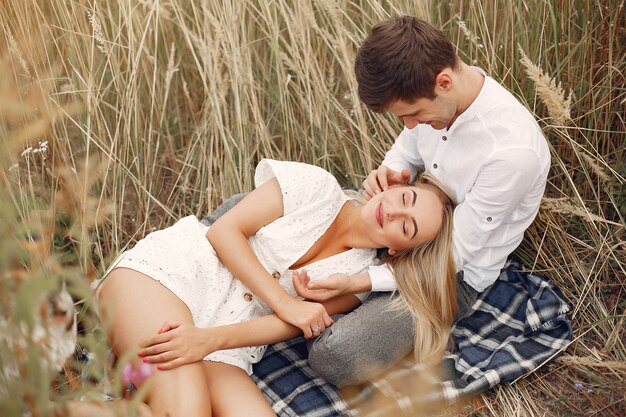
(439, 113)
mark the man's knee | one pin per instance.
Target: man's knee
(362, 343)
(337, 365)
(222, 209)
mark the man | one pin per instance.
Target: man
(477, 139)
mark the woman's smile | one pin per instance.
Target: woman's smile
(379, 214)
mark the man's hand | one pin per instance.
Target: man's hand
(380, 179)
(320, 290)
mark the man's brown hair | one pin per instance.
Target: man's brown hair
(400, 59)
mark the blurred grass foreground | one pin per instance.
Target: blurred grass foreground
(118, 117)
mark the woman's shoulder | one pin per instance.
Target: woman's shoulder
(296, 177)
(302, 185)
(292, 169)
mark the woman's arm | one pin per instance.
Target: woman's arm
(229, 237)
(178, 344)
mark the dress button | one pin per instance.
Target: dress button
(489, 219)
(276, 275)
(248, 297)
(445, 138)
(435, 166)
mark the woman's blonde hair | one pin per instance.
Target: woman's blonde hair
(427, 281)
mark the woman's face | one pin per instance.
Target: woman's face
(402, 217)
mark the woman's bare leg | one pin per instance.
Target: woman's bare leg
(107, 409)
(233, 393)
(133, 307)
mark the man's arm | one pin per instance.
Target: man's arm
(334, 286)
(376, 278)
(404, 153)
(485, 232)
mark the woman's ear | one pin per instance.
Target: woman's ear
(392, 252)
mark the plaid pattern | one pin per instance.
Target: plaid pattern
(291, 386)
(514, 327)
(517, 325)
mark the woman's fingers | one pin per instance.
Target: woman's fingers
(304, 315)
(164, 334)
(319, 323)
(156, 344)
(171, 364)
(161, 357)
(308, 333)
(168, 326)
(161, 337)
(155, 349)
(156, 340)
(319, 329)
(321, 326)
(328, 321)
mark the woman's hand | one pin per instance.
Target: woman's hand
(309, 317)
(178, 344)
(320, 290)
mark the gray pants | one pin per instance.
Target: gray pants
(367, 340)
(370, 339)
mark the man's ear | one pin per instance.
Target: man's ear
(392, 252)
(443, 80)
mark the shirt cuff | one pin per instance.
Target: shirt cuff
(382, 278)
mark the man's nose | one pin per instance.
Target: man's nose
(410, 122)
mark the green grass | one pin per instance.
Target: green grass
(157, 109)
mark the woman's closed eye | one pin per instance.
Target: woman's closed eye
(404, 230)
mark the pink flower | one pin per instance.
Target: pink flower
(136, 375)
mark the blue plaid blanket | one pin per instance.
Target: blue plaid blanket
(290, 384)
(514, 327)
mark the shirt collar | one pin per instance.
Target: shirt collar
(476, 105)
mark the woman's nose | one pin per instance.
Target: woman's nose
(395, 212)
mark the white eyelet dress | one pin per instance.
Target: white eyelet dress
(181, 258)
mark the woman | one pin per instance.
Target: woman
(180, 281)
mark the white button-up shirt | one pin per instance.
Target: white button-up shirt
(494, 160)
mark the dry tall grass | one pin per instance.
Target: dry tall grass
(154, 109)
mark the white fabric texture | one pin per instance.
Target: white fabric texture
(494, 160)
(183, 260)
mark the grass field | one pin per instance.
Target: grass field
(120, 116)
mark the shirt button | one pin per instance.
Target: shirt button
(248, 296)
(435, 166)
(489, 219)
(276, 275)
(444, 138)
